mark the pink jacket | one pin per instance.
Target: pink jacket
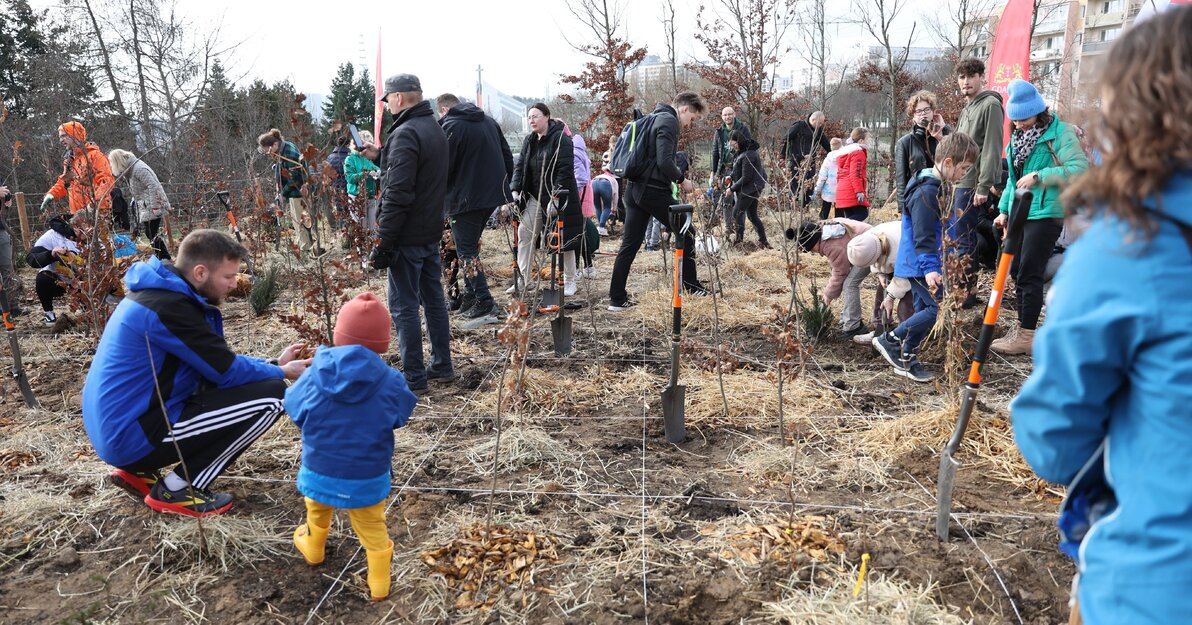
(587, 205)
(837, 252)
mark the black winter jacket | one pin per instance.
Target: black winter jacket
(913, 153)
(414, 188)
(721, 155)
(480, 162)
(801, 141)
(545, 164)
(663, 169)
(749, 177)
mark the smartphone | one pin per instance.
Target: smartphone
(356, 136)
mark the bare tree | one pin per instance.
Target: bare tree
(669, 31)
(108, 68)
(813, 47)
(953, 26)
(878, 18)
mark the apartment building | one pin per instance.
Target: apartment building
(1068, 45)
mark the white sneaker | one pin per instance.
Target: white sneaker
(588, 272)
(569, 288)
(50, 317)
(602, 231)
(864, 339)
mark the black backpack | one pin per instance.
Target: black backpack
(632, 154)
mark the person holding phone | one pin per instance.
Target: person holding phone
(915, 151)
(361, 175)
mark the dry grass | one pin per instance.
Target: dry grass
(232, 542)
(582, 391)
(883, 601)
(521, 447)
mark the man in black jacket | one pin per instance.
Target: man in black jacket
(480, 165)
(653, 193)
(722, 163)
(410, 224)
(801, 141)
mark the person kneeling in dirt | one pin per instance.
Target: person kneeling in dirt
(831, 239)
(877, 248)
(919, 255)
(347, 405)
(55, 255)
(165, 383)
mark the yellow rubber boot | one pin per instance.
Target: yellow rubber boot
(310, 539)
(379, 562)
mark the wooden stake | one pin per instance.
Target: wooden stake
(24, 219)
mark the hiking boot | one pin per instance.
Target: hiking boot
(465, 304)
(481, 310)
(860, 330)
(913, 369)
(50, 318)
(1017, 341)
(311, 541)
(189, 501)
(137, 483)
(620, 305)
(864, 339)
(433, 376)
(890, 347)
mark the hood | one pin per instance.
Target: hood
(351, 373)
(751, 146)
(152, 274)
(422, 109)
(555, 127)
(849, 149)
(666, 108)
(465, 111)
(922, 181)
(985, 95)
(59, 224)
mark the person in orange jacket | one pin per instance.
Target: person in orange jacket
(86, 177)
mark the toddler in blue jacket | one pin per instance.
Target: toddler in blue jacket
(347, 404)
(919, 254)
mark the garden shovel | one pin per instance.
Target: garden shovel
(18, 369)
(552, 295)
(674, 395)
(968, 395)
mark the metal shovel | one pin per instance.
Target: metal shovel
(18, 368)
(553, 295)
(968, 395)
(674, 395)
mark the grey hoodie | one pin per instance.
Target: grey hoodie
(984, 120)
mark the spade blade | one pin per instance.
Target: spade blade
(947, 478)
(560, 331)
(673, 422)
(551, 297)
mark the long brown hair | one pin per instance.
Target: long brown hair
(1146, 136)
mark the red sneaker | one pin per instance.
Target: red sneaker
(137, 483)
(188, 501)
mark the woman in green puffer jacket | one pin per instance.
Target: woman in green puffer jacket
(1044, 153)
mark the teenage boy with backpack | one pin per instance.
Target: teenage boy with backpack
(919, 256)
(651, 193)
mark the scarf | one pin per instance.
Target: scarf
(1024, 143)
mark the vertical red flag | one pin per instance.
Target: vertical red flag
(379, 112)
(1011, 56)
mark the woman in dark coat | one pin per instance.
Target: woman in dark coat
(545, 166)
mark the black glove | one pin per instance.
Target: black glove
(379, 259)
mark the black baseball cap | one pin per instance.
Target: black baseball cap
(401, 83)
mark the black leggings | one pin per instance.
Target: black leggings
(49, 286)
(855, 213)
(157, 236)
(747, 207)
(1038, 240)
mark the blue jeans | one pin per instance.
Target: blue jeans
(602, 197)
(466, 229)
(961, 224)
(415, 276)
(914, 330)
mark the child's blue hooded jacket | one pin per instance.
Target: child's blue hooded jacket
(347, 404)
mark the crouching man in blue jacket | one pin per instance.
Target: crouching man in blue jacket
(165, 383)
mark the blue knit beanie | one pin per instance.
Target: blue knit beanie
(1025, 101)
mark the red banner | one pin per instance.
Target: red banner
(379, 81)
(1011, 56)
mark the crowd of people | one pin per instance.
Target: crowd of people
(170, 405)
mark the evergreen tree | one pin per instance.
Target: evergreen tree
(21, 44)
(341, 103)
(364, 105)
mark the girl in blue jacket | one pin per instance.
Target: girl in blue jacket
(1108, 406)
(347, 405)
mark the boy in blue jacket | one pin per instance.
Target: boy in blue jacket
(919, 262)
(347, 405)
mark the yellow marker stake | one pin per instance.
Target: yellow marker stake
(861, 575)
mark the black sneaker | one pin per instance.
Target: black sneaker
(432, 376)
(621, 305)
(860, 329)
(890, 347)
(914, 370)
(696, 290)
(188, 501)
(466, 303)
(479, 310)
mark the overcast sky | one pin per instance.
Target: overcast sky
(522, 45)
